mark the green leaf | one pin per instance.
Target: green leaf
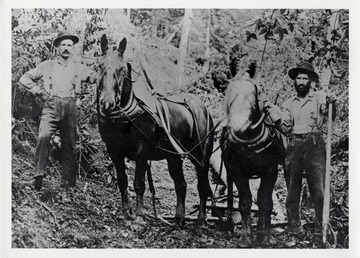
(335, 35)
(281, 35)
(298, 41)
(275, 23)
(291, 26)
(262, 31)
(258, 24)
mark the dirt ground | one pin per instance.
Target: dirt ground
(88, 216)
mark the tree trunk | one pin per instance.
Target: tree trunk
(156, 24)
(128, 12)
(183, 48)
(205, 68)
(82, 35)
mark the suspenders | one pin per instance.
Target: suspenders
(75, 79)
(51, 76)
(73, 82)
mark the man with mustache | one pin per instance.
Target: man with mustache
(304, 121)
(58, 82)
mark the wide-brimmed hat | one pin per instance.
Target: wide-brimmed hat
(65, 35)
(304, 67)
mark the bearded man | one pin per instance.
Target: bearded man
(304, 121)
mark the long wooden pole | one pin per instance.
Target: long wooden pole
(326, 204)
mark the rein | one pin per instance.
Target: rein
(186, 153)
(130, 106)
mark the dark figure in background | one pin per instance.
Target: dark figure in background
(58, 82)
(304, 122)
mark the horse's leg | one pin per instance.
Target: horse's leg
(122, 180)
(139, 186)
(265, 203)
(245, 201)
(176, 173)
(204, 190)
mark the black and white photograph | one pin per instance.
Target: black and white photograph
(178, 128)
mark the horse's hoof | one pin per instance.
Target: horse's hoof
(125, 214)
(180, 223)
(201, 222)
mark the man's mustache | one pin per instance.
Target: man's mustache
(66, 52)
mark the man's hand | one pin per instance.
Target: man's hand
(43, 94)
(272, 111)
(330, 98)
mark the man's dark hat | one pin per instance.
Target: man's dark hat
(65, 35)
(304, 67)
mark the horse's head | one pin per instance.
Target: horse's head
(243, 111)
(114, 88)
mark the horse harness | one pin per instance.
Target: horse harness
(136, 107)
(262, 141)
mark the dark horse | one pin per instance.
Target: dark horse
(142, 126)
(251, 147)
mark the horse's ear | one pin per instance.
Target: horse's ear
(122, 46)
(104, 44)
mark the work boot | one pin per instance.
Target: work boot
(38, 183)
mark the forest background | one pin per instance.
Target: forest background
(278, 39)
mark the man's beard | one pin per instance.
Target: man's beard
(302, 89)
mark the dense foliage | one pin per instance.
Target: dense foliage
(277, 39)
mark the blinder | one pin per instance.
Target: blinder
(120, 77)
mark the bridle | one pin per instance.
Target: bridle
(119, 82)
(264, 130)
